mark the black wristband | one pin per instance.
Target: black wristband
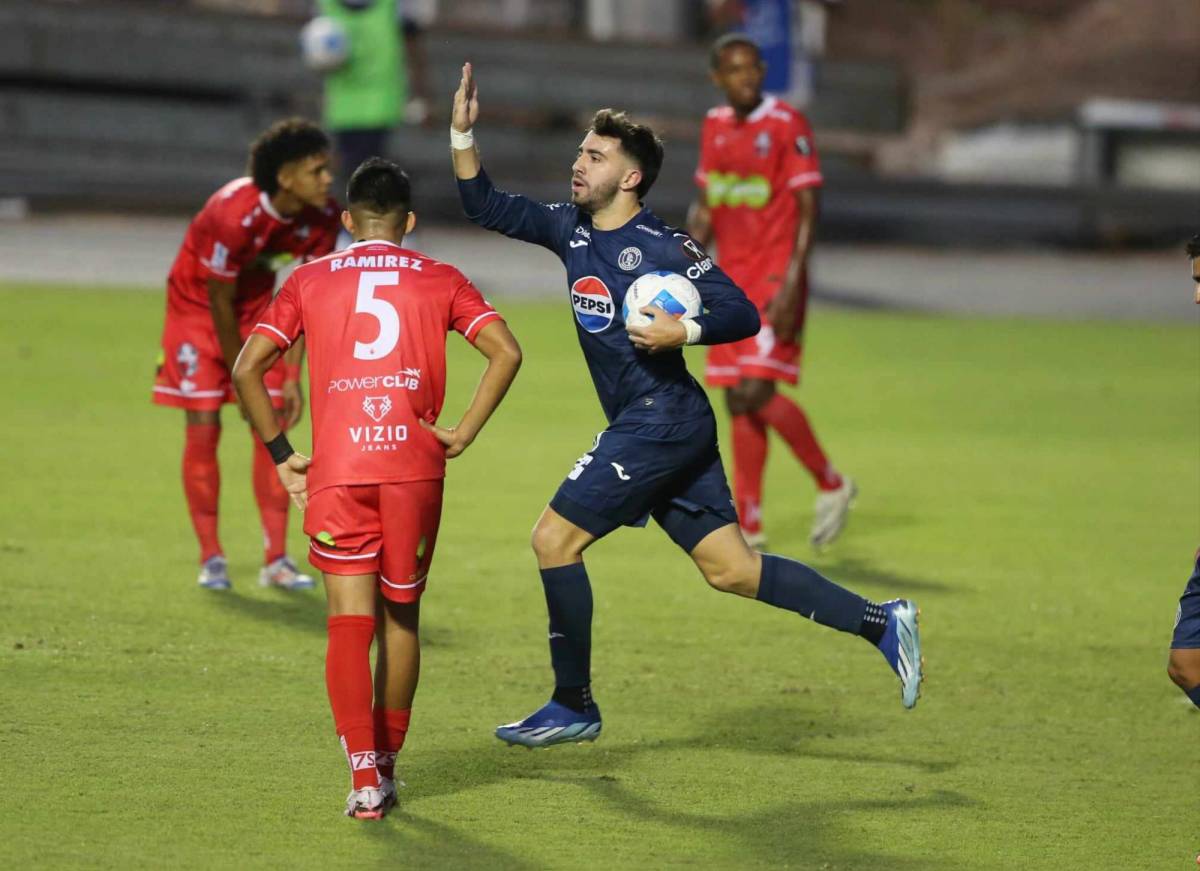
(280, 448)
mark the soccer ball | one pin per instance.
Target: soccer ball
(324, 43)
(667, 290)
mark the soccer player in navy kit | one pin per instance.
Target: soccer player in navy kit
(659, 456)
(1184, 663)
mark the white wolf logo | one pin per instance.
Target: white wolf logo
(377, 407)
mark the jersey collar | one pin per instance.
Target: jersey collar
(762, 110)
(372, 242)
(265, 202)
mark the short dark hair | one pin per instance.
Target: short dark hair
(282, 142)
(637, 140)
(379, 186)
(1193, 247)
(728, 41)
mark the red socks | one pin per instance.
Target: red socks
(202, 483)
(391, 727)
(348, 681)
(750, 455)
(787, 418)
(272, 502)
(749, 460)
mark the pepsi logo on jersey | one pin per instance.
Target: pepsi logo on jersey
(593, 303)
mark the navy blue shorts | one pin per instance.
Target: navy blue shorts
(672, 471)
(1187, 619)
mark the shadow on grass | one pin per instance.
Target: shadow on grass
(853, 572)
(295, 609)
(790, 828)
(413, 841)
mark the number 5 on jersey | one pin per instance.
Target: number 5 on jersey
(380, 309)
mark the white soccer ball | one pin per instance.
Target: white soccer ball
(324, 44)
(669, 291)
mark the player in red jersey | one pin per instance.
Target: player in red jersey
(375, 317)
(758, 177)
(217, 289)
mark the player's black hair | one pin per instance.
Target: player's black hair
(379, 186)
(1193, 247)
(728, 40)
(282, 142)
(637, 140)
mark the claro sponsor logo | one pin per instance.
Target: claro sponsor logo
(405, 379)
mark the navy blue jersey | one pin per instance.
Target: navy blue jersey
(601, 264)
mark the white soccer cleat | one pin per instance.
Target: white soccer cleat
(283, 573)
(368, 803)
(214, 574)
(831, 512)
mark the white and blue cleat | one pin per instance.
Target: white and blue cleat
(552, 723)
(214, 574)
(901, 647)
(284, 574)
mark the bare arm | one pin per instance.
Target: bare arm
(255, 359)
(782, 309)
(498, 344)
(699, 222)
(220, 303)
(462, 118)
(293, 395)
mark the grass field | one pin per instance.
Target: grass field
(1035, 486)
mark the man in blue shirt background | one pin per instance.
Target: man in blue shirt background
(659, 455)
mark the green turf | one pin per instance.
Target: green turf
(1035, 486)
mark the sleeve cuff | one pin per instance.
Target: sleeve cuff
(275, 335)
(478, 324)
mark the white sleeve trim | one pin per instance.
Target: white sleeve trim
(471, 326)
(277, 332)
(805, 179)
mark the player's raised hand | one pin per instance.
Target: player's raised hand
(466, 102)
(293, 473)
(663, 333)
(454, 440)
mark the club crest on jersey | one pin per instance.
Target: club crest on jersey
(630, 259)
(377, 407)
(593, 304)
(762, 143)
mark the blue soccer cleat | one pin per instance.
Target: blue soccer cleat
(552, 723)
(214, 574)
(901, 647)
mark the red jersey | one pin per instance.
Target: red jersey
(375, 317)
(238, 236)
(749, 171)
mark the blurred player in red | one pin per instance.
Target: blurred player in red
(375, 317)
(758, 177)
(217, 289)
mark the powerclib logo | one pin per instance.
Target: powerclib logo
(593, 304)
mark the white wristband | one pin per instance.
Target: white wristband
(693, 331)
(461, 141)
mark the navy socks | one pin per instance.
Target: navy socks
(569, 601)
(1194, 695)
(795, 587)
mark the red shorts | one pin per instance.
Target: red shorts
(759, 356)
(191, 368)
(764, 355)
(384, 529)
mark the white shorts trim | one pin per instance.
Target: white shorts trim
(723, 370)
(355, 558)
(191, 394)
(402, 586)
(768, 363)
